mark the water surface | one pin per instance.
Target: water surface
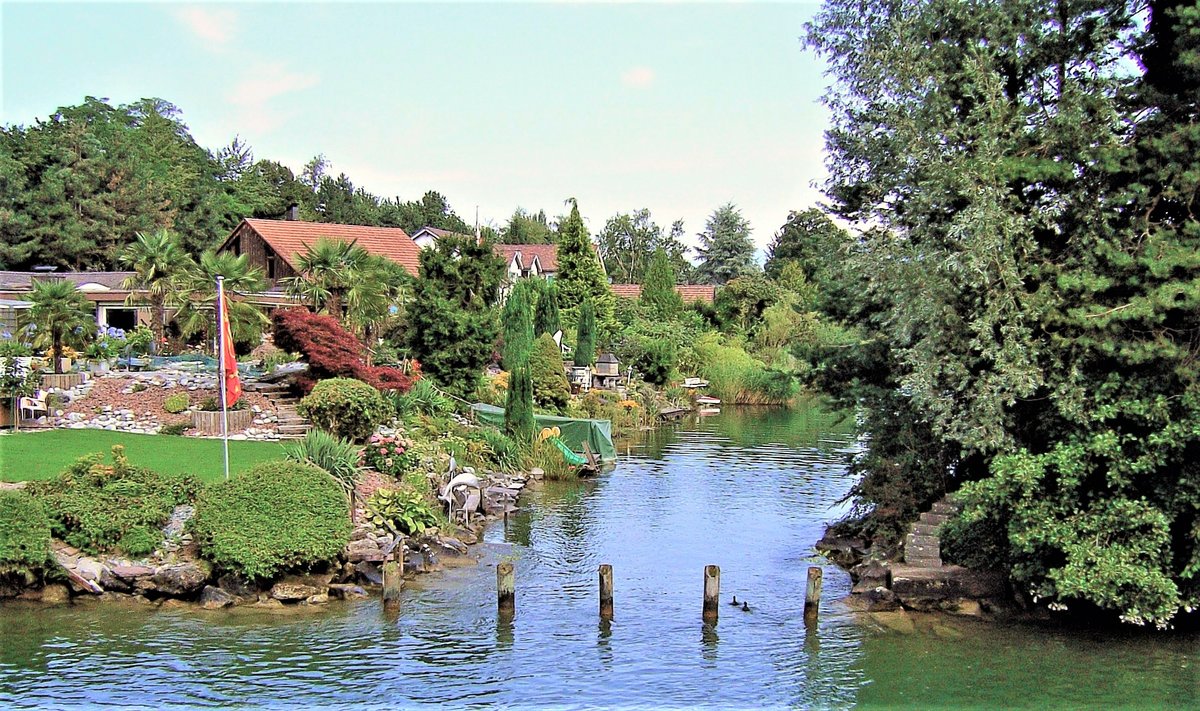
(750, 491)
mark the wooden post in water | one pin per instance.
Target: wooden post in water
(393, 581)
(606, 592)
(712, 592)
(812, 595)
(506, 589)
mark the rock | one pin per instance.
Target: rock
(371, 572)
(870, 575)
(131, 572)
(182, 578)
(970, 608)
(359, 534)
(268, 602)
(89, 568)
(843, 551)
(537, 474)
(897, 621)
(295, 588)
(237, 587)
(347, 592)
(215, 598)
(173, 604)
(318, 599)
(943, 588)
(55, 594)
(946, 631)
(364, 549)
(110, 581)
(880, 599)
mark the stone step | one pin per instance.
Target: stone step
(925, 529)
(944, 508)
(267, 388)
(293, 429)
(294, 420)
(932, 519)
(913, 540)
(918, 551)
(923, 562)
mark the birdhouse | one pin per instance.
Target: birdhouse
(607, 365)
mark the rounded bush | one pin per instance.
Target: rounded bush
(24, 533)
(175, 403)
(276, 517)
(345, 407)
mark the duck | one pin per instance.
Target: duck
(745, 606)
(735, 603)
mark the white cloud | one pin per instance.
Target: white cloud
(253, 95)
(638, 77)
(210, 24)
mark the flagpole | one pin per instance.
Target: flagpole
(221, 369)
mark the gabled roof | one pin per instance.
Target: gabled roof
(290, 238)
(438, 232)
(546, 254)
(87, 281)
(689, 292)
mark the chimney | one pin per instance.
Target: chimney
(293, 213)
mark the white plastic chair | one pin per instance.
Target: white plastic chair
(34, 404)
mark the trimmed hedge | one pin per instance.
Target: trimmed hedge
(277, 517)
(344, 407)
(97, 507)
(24, 533)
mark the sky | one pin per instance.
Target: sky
(674, 107)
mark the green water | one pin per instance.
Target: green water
(748, 490)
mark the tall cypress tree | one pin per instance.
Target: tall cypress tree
(658, 293)
(518, 404)
(585, 336)
(518, 325)
(546, 318)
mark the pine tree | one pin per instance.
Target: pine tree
(580, 275)
(658, 293)
(546, 318)
(726, 251)
(585, 336)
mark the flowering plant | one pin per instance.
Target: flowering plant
(391, 455)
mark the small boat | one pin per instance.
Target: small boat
(695, 383)
(708, 400)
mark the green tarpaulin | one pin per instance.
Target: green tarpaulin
(597, 433)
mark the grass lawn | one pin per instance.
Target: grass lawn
(43, 454)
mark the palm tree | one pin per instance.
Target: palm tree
(327, 271)
(157, 259)
(59, 315)
(195, 293)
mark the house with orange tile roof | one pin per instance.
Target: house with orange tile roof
(704, 293)
(274, 246)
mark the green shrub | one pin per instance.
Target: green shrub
(739, 378)
(175, 403)
(551, 389)
(345, 407)
(655, 360)
(423, 398)
(276, 517)
(213, 404)
(176, 429)
(24, 533)
(139, 541)
(501, 452)
(401, 510)
(977, 544)
(338, 457)
(93, 506)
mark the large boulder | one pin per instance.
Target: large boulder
(944, 589)
(238, 587)
(213, 598)
(181, 579)
(295, 588)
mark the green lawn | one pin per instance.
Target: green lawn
(43, 454)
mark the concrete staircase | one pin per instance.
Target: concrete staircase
(922, 545)
(290, 425)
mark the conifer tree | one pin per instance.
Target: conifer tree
(580, 275)
(658, 293)
(546, 318)
(585, 336)
(518, 325)
(518, 404)
(726, 251)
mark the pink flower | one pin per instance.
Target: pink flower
(383, 450)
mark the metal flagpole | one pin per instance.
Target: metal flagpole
(221, 368)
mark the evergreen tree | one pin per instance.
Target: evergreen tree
(546, 318)
(585, 336)
(518, 405)
(518, 325)
(810, 239)
(580, 275)
(452, 323)
(726, 251)
(551, 389)
(658, 292)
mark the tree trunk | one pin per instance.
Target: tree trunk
(56, 353)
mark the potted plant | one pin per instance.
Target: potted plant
(100, 353)
(17, 379)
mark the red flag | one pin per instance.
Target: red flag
(233, 386)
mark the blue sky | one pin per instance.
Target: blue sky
(675, 107)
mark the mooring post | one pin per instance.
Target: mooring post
(712, 592)
(812, 595)
(606, 592)
(393, 581)
(506, 589)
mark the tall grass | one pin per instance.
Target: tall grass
(337, 456)
(739, 378)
